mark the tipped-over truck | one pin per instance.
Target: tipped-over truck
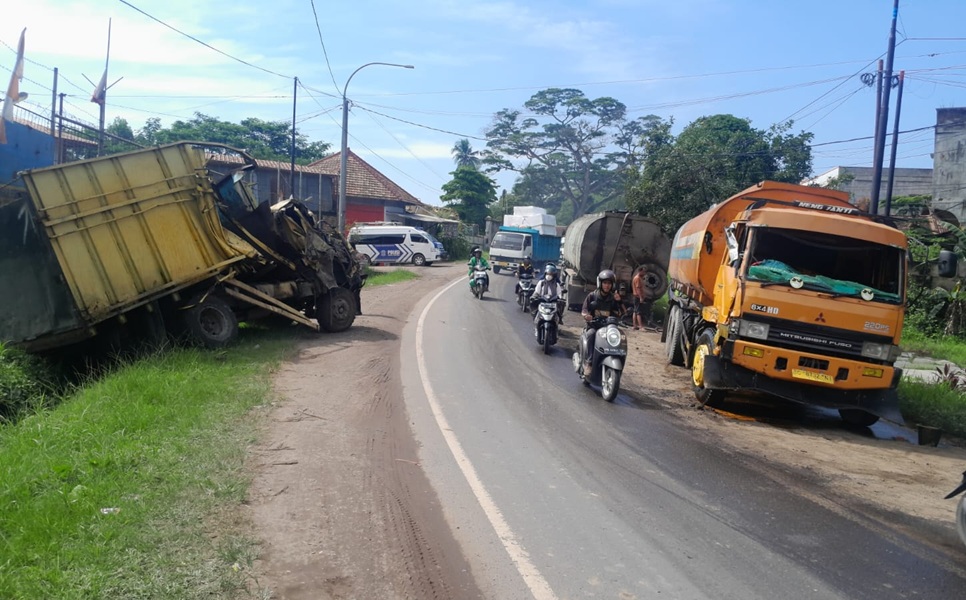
(616, 240)
(133, 246)
(789, 291)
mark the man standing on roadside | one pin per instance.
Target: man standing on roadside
(642, 298)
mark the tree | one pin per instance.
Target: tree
(574, 150)
(266, 140)
(464, 155)
(713, 158)
(470, 193)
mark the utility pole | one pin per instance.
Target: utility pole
(295, 92)
(895, 145)
(883, 115)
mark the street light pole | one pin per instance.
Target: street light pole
(343, 158)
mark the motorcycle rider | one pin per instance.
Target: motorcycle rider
(548, 287)
(476, 258)
(525, 268)
(602, 302)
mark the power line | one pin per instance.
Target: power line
(324, 52)
(465, 135)
(205, 44)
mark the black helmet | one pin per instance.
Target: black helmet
(606, 275)
(526, 260)
(550, 269)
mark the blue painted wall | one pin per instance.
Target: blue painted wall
(26, 148)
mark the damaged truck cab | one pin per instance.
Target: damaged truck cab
(791, 291)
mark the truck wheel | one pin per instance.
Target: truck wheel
(702, 349)
(496, 270)
(419, 260)
(672, 340)
(336, 310)
(211, 323)
(858, 417)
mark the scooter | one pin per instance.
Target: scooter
(526, 290)
(607, 356)
(480, 282)
(960, 509)
(545, 323)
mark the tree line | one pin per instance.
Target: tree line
(571, 154)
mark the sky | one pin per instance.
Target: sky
(767, 61)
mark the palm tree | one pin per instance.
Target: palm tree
(464, 155)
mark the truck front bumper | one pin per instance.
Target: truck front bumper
(726, 375)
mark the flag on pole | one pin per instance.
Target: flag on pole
(100, 92)
(13, 90)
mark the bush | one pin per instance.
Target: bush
(458, 248)
(23, 383)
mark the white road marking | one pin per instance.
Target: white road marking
(521, 560)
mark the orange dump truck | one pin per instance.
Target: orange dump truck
(793, 292)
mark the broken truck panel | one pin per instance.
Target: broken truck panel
(90, 243)
(130, 227)
(35, 300)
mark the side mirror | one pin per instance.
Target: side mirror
(947, 263)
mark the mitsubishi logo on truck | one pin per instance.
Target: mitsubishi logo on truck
(820, 318)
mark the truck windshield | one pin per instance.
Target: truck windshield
(507, 241)
(826, 263)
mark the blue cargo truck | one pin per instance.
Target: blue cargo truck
(510, 244)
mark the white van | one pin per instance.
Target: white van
(390, 243)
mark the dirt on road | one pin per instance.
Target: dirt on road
(344, 510)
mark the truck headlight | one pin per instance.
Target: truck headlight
(886, 352)
(751, 329)
(613, 336)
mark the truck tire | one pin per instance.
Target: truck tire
(419, 260)
(702, 349)
(211, 323)
(496, 270)
(336, 310)
(673, 344)
(858, 417)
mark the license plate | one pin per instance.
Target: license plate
(812, 376)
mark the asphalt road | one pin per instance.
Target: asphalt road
(554, 493)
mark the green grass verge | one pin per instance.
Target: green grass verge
(129, 488)
(387, 277)
(937, 405)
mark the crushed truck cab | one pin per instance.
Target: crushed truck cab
(791, 291)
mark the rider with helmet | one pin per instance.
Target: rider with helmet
(476, 259)
(525, 268)
(602, 302)
(549, 287)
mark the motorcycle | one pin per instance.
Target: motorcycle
(545, 323)
(608, 353)
(960, 509)
(480, 282)
(525, 291)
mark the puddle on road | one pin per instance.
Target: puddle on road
(790, 415)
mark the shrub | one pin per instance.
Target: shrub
(23, 382)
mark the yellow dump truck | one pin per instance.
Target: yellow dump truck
(146, 243)
(790, 291)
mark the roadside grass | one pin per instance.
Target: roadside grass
(936, 405)
(130, 486)
(939, 405)
(388, 277)
(947, 348)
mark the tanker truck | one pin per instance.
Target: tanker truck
(791, 292)
(615, 240)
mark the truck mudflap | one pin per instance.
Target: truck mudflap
(725, 375)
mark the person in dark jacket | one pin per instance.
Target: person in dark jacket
(602, 302)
